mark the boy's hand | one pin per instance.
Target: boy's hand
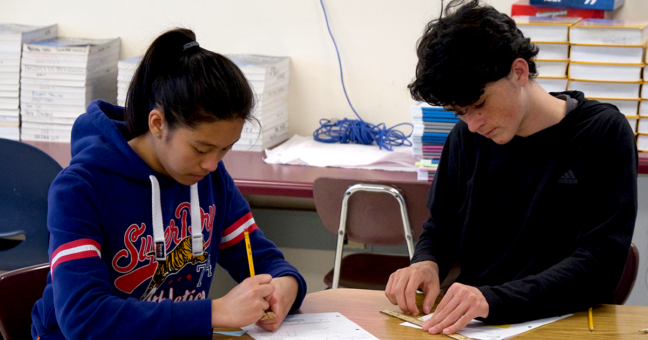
(460, 304)
(402, 286)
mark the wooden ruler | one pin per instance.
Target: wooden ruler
(268, 315)
(418, 322)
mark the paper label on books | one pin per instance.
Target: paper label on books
(42, 137)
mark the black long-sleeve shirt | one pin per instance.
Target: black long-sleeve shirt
(542, 224)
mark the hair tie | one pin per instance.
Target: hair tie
(190, 45)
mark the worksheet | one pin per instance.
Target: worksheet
(316, 326)
(480, 331)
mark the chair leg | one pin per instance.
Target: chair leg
(340, 241)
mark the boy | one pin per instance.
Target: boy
(536, 193)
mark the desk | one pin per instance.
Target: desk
(255, 177)
(363, 306)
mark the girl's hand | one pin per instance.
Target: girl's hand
(280, 301)
(245, 303)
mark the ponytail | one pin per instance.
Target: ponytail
(189, 84)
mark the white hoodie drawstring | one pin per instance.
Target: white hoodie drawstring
(158, 225)
(196, 223)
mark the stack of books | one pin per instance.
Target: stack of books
(12, 37)
(642, 125)
(604, 5)
(59, 78)
(269, 78)
(607, 60)
(125, 71)
(432, 124)
(523, 7)
(551, 36)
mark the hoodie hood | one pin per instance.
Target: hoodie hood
(102, 131)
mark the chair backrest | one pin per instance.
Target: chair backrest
(373, 218)
(19, 290)
(628, 277)
(25, 176)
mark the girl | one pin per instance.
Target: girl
(146, 209)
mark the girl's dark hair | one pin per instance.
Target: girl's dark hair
(189, 85)
(470, 47)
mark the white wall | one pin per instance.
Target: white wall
(376, 39)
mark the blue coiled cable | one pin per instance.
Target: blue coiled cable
(357, 130)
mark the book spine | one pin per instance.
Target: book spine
(34, 48)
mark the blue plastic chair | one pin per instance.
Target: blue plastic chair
(25, 177)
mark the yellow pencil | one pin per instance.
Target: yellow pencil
(248, 248)
(591, 320)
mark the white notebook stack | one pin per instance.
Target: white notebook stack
(12, 37)
(125, 72)
(642, 124)
(59, 78)
(607, 63)
(551, 36)
(269, 78)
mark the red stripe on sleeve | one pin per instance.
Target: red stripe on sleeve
(79, 242)
(237, 224)
(238, 238)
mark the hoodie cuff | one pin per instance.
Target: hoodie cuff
(495, 307)
(191, 319)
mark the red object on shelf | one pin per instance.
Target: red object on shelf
(523, 7)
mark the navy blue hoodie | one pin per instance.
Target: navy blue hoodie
(104, 282)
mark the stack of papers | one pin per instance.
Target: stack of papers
(300, 150)
(12, 38)
(59, 78)
(480, 331)
(268, 76)
(125, 72)
(317, 326)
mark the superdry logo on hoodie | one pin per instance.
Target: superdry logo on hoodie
(140, 249)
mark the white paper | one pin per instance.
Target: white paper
(316, 326)
(300, 150)
(480, 331)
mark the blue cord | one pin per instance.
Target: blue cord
(357, 131)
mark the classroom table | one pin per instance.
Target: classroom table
(363, 306)
(255, 177)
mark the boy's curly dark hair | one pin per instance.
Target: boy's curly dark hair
(465, 50)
